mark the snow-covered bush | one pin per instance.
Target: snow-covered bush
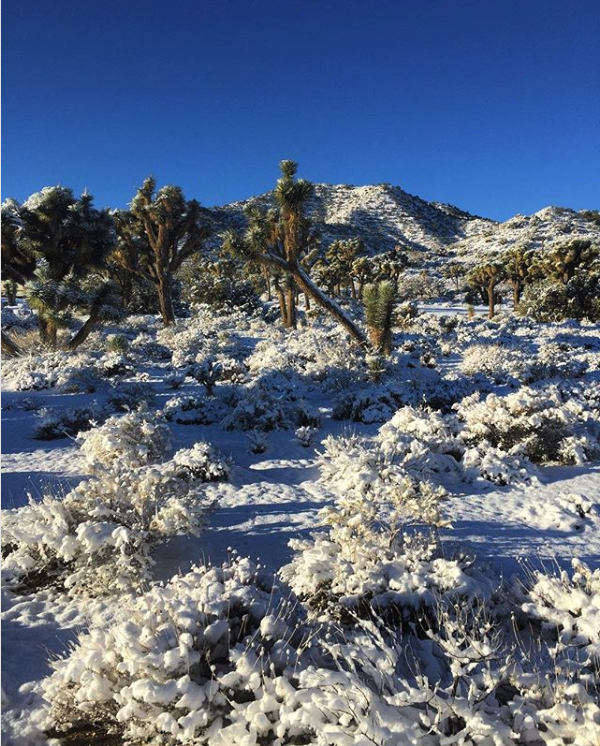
(130, 440)
(203, 461)
(18, 318)
(115, 364)
(257, 408)
(53, 424)
(193, 409)
(68, 372)
(130, 395)
(258, 441)
(534, 423)
(206, 659)
(305, 435)
(504, 364)
(118, 343)
(99, 537)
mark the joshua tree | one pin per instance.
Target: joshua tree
(18, 264)
(72, 239)
(291, 195)
(517, 265)
(362, 270)
(561, 262)
(379, 300)
(276, 239)
(341, 257)
(161, 230)
(488, 276)
(454, 272)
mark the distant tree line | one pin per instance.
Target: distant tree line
(74, 260)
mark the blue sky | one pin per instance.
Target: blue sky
(492, 106)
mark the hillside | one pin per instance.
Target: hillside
(384, 216)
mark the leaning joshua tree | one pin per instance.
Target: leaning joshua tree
(277, 240)
(160, 231)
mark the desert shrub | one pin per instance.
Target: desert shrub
(221, 292)
(535, 423)
(99, 537)
(145, 346)
(115, 364)
(415, 287)
(67, 372)
(268, 404)
(193, 409)
(18, 318)
(130, 395)
(305, 435)
(130, 440)
(206, 658)
(53, 424)
(504, 364)
(117, 343)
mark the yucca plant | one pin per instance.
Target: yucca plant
(379, 299)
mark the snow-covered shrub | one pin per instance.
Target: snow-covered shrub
(99, 537)
(130, 440)
(206, 659)
(115, 364)
(306, 435)
(370, 560)
(18, 318)
(130, 395)
(207, 371)
(175, 379)
(194, 409)
(53, 424)
(257, 408)
(504, 364)
(258, 441)
(148, 348)
(203, 461)
(567, 605)
(533, 422)
(68, 372)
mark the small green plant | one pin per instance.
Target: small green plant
(117, 343)
(379, 300)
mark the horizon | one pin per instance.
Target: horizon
(491, 109)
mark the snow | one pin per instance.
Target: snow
(276, 496)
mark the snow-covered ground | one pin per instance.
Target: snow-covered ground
(499, 507)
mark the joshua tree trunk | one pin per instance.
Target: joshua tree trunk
(165, 300)
(307, 286)
(491, 299)
(282, 306)
(267, 279)
(11, 292)
(517, 288)
(307, 301)
(85, 330)
(353, 288)
(9, 346)
(48, 332)
(290, 295)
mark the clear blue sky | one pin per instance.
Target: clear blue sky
(492, 105)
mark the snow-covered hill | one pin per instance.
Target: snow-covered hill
(384, 216)
(547, 226)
